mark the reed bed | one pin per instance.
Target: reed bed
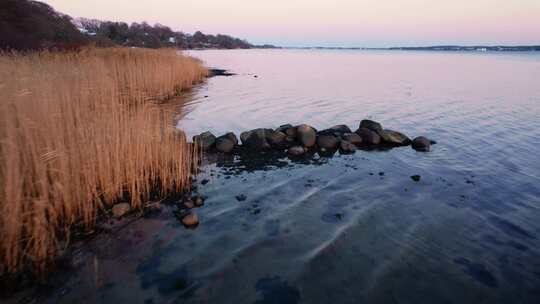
(77, 132)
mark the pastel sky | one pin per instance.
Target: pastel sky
(370, 23)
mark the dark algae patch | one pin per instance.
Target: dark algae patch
(478, 271)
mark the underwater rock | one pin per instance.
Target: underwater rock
(199, 201)
(416, 178)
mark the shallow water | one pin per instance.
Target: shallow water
(347, 228)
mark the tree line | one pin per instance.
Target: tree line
(33, 25)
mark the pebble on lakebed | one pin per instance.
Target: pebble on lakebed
(190, 220)
(297, 140)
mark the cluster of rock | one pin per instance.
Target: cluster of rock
(297, 140)
(188, 217)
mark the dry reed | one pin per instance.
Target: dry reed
(78, 131)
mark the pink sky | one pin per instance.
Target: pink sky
(370, 23)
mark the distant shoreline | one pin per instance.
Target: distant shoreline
(456, 48)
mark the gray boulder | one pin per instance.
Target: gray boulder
(371, 125)
(395, 138)
(369, 137)
(306, 135)
(327, 141)
(421, 144)
(205, 140)
(353, 138)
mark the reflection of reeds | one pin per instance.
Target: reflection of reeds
(77, 132)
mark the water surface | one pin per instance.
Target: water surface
(347, 228)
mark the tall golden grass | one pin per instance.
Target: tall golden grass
(78, 131)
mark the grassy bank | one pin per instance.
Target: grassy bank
(78, 131)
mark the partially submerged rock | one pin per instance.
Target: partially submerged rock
(256, 139)
(394, 138)
(226, 143)
(190, 220)
(277, 138)
(205, 140)
(121, 209)
(371, 125)
(346, 147)
(353, 138)
(296, 151)
(327, 141)
(307, 135)
(421, 144)
(369, 137)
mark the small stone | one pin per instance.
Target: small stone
(415, 178)
(421, 144)
(120, 209)
(205, 140)
(369, 137)
(327, 141)
(296, 151)
(204, 181)
(346, 147)
(353, 138)
(306, 135)
(189, 204)
(199, 201)
(190, 220)
(371, 125)
(241, 197)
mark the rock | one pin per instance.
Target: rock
(120, 209)
(369, 137)
(341, 129)
(432, 142)
(346, 147)
(421, 144)
(257, 139)
(241, 197)
(415, 178)
(199, 201)
(231, 136)
(394, 138)
(224, 145)
(205, 140)
(371, 125)
(189, 204)
(306, 135)
(327, 141)
(296, 151)
(276, 138)
(284, 128)
(244, 136)
(190, 220)
(353, 138)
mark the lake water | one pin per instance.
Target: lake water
(346, 228)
